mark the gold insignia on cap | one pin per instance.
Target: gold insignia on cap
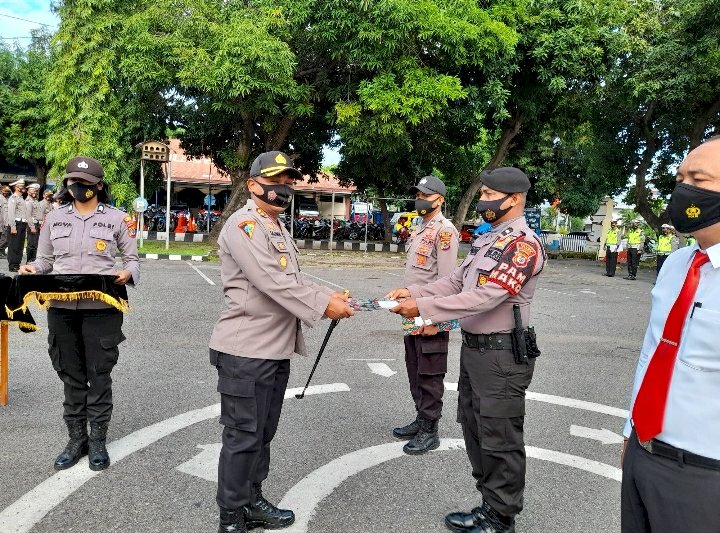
(283, 262)
(100, 246)
(693, 211)
(280, 159)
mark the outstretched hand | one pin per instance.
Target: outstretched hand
(396, 294)
(408, 308)
(337, 308)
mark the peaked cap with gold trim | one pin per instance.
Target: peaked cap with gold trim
(270, 164)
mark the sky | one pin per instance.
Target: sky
(35, 11)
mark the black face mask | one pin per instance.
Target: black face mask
(82, 192)
(490, 210)
(692, 208)
(423, 207)
(278, 195)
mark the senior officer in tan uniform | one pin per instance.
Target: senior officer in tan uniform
(500, 271)
(432, 254)
(266, 297)
(18, 216)
(81, 238)
(35, 208)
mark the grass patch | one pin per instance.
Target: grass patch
(179, 248)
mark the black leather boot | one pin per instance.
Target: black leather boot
(407, 432)
(97, 455)
(426, 438)
(493, 522)
(262, 513)
(232, 521)
(76, 447)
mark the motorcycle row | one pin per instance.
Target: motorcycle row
(154, 219)
(319, 229)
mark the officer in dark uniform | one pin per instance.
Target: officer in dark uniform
(81, 237)
(491, 293)
(267, 297)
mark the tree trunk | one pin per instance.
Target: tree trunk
(386, 220)
(642, 194)
(238, 196)
(40, 171)
(698, 132)
(503, 148)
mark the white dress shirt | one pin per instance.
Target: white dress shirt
(692, 415)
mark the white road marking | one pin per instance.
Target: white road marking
(22, 515)
(371, 360)
(396, 275)
(307, 494)
(203, 276)
(324, 281)
(205, 464)
(566, 402)
(603, 435)
(381, 369)
(588, 292)
(556, 292)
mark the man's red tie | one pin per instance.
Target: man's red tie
(649, 408)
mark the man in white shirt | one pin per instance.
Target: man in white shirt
(671, 455)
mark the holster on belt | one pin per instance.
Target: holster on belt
(519, 348)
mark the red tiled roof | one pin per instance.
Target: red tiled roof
(202, 171)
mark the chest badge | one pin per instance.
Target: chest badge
(100, 246)
(283, 262)
(482, 280)
(248, 226)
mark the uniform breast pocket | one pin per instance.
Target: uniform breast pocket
(102, 242)
(421, 261)
(282, 256)
(700, 344)
(60, 239)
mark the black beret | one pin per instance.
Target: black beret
(506, 179)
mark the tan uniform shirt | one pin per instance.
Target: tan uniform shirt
(500, 270)
(74, 244)
(266, 295)
(45, 208)
(432, 251)
(36, 210)
(3, 212)
(18, 210)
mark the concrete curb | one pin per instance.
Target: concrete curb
(175, 237)
(174, 257)
(356, 246)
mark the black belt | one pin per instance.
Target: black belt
(657, 447)
(493, 341)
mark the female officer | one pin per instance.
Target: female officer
(80, 238)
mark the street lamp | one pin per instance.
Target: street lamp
(160, 152)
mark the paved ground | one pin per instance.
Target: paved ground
(590, 330)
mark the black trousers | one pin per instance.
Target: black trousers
(491, 410)
(660, 495)
(4, 239)
(32, 241)
(610, 261)
(426, 364)
(16, 245)
(633, 260)
(660, 260)
(84, 350)
(251, 399)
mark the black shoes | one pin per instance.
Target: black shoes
(232, 521)
(76, 447)
(426, 438)
(629, 277)
(407, 432)
(483, 519)
(97, 454)
(262, 513)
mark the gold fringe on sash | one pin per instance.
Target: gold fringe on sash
(22, 325)
(43, 300)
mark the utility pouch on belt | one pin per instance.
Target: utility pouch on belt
(519, 346)
(531, 343)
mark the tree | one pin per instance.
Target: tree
(25, 113)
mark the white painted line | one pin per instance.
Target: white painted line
(381, 369)
(603, 435)
(396, 275)
(566, 402)
(151, 256)
(175, 257)
(22, 515)
(556, 292)
(205, 464)
(324, 280)
(203, 276)
(371, 360)
(307, 494)
(588, 292)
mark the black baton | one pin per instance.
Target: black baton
(319, 355)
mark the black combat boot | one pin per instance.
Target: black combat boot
(493, 522)
(426, 438)
(76, 447)
(460, 522)
(232, 521)
(262, 513)
(98, 455)
(409, 431)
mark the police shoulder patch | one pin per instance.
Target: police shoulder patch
(445, 237)
(516, 266)
(248, 226)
